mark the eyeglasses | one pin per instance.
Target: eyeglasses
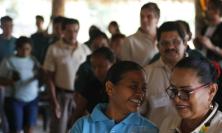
(175, 42)
(183, 94)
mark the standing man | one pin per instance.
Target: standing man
(39, 40)
(7, 41)
(141, 46)
(62, 61)
(7, 47)
(172, 46)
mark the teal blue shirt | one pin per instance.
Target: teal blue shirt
(7, 47)
(26, 88)
(98, 122)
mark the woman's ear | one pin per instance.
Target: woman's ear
(212, 90)
(109, 88)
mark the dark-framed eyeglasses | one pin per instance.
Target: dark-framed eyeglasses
(183, 94)
(175, 42)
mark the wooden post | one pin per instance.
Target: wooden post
(58, 7)
(200, 20)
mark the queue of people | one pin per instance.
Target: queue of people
(148, 82)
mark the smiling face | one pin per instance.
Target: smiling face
(172, 48)
(198, 103)
(128, 94)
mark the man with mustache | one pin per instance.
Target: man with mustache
(172, 46)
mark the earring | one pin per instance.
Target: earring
(211, 107)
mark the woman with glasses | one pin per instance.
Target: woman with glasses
(192, 89)
(125, 87)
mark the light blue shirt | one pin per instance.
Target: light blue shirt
(25, 89)
(98, 122)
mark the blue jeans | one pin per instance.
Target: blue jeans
(24, 114)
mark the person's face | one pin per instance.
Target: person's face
(128, 94)
(25, 50)
(7, 27)
(148, 19)
(199, 100)
(57, 29)
(212, 13)
(171, 47)
(112, 29)
(39, 23)
(116, 46)
(98, 43)
(70, 33)
(100, 66)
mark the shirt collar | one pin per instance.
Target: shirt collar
(132, 119)
(203, 126)
(98, 115)
(62, 44)
(140, 33)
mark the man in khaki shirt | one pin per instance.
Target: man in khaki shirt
(141, 46)
(172, 47)
(62, 62)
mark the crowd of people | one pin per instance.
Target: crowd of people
(150, 81)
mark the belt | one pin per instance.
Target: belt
(59, 89)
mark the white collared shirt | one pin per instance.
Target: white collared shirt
(64, 60)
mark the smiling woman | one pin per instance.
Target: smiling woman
(125, 87)
(192, 95)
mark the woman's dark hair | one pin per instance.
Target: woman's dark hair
(116, 72)
(21, 41)
(115, 24)
(106, 53)
(116, 37)
(98, 34)
(171, 26)
(186, 27)
(204, 68)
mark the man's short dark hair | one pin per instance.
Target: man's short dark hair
(152, 6)
(39, 17)
(171, 26)
(6, 19)
(68, 21)
(57, 19)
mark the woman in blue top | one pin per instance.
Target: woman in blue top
(19, 74)
(125, 86)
